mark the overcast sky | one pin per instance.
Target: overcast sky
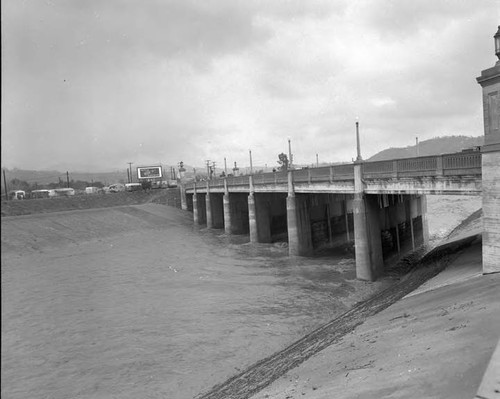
(94, 84)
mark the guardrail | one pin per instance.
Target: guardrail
(457, 164)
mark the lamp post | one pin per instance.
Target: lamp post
(290, 156)
(358, 145)
(251, 166)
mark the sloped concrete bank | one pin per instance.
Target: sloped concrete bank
(262, 374)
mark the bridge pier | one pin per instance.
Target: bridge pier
(298, 222)
(367, 241)
(184, 204)
(208, 207)
(226, 204)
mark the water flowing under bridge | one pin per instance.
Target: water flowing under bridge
(379, 206)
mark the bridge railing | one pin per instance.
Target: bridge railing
(439, 165)
(461, 163)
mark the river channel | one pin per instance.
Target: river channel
(135, 302)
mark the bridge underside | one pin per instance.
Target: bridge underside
(382, 228)
(378, 206)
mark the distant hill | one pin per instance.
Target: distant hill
(435, 146)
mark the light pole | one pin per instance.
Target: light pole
(358, 145)
(251, 166)
(290, 157)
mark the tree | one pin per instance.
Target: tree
(17, 184)
(283, 161)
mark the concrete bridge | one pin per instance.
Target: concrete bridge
(381, 206)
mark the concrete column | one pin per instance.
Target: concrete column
(227, 214)
(291, 217)
(196, 218)
(368, 246)
(252, 214)
(252, 219)
(298, 222)
(227, 209)
(210, 223)
(184, 205)
(425, 221)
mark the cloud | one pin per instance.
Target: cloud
(99, 84)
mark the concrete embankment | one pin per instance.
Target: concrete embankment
(284, 364)
(430, 335)
(434, 343)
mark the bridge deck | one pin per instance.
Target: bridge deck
(458, 173)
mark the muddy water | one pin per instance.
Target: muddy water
(134, 302)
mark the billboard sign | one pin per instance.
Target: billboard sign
(149, 172)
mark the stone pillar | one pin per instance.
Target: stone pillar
(490, 83)
(368, 247)
(227, 209)
(210, 223)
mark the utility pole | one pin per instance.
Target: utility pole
(130, 169)
(317, 162)
(67, 178)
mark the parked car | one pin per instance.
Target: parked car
(64, 192)
(91, 190)
(116, 188)
(17, 195)
(133, 186)
(43, 193)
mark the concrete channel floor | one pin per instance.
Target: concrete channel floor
(435, 343)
